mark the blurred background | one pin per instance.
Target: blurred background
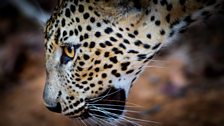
(182, 86)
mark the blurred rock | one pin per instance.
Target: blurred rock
(21, 39)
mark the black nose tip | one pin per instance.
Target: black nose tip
(56, 108)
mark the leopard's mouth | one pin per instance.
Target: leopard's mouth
(110, 104)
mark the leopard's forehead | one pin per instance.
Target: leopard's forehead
(82, 23)
(79, 21)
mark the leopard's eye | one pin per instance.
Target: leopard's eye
(68, 54)
(69, 51)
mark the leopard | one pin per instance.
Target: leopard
(96, 49)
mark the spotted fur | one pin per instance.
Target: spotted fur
(113, 40)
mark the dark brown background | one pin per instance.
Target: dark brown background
(182, 86)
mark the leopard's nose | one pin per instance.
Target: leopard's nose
(51, 100)
(56, 108)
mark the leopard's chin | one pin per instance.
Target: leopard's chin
(110, 104)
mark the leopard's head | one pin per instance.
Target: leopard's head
(92, 58)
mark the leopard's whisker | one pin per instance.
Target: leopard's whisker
(131, 118)
(124, 119)
(79, 121)
(111, 118)
(87, 122)
(157, 60)
(94, 100)
(95, 115)
(83, 122)
(118, 101)
(160, 67)
(129, 111)
(108, 117)
(98, 122)
(101, 97)
(111, 105)
(142, 120)
(115, 115)
(101, 120)
(153, 66)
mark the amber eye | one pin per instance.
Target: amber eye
(68, 54)
(69, 51)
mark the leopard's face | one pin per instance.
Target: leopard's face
(90, 62)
